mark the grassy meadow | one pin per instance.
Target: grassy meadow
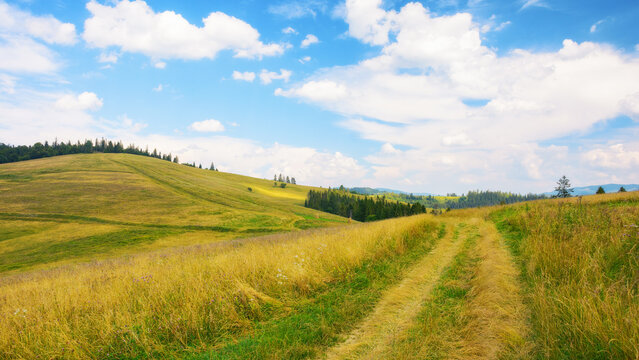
(123, 257)
(81, 207)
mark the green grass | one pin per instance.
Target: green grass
(34, 253)
(125, 192)
(313, 325)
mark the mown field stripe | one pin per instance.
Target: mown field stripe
(399, 306)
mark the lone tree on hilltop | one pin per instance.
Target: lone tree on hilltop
(622, 189)
(563, 188)
(601, 190)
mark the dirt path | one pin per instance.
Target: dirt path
(397, 309)
(492, 321)
(497, 319)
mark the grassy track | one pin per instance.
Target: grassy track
(462, 301)
(398, 307)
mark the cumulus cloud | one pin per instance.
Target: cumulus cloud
(309, 40)
(46, 28)
(134, 27)
(22, 54)
(414, 93)
(244, 76)
(613, 157)
(267, 77)
(24, 40)
(84, 101)
(210, 125)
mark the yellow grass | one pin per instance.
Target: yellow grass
(581, 261)
(497, 319)
(175, 301)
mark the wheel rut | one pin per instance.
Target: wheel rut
(398, 308)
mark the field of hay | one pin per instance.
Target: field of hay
(554, 279)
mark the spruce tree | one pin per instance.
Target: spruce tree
(563, 188)
(601, 190)
(622, 189)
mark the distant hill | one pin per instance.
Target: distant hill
(85, 206)
(592, 189)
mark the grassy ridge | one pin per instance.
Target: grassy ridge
(580, 262)
(184, 301)
(79, 207)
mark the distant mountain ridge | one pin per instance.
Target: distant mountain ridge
(592, 189)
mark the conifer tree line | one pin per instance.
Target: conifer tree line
(367, 208)
(284, 179)
(9, 153)
(489, 198)
(475, 198)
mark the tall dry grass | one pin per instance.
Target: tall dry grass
(581, 262)
(174, 302)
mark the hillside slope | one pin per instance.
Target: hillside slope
(77, 207)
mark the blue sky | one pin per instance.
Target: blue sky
(432, 96)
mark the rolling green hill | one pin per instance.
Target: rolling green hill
(87, 206)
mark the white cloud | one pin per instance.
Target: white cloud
(289, 30)
(82, 102)
(7, 84)
(244, 76)
(21, 54)
(310, 39)
(388, 148)
(108, 57)
(46, 28)
(457, 140)
(613, 157)
(594, 26)
(533, 3)
(159, 64)
(21, 40)
(413, 93)
(134, 27)
(210, 125)
(298, 8)
(304, 60)
(158, 88)
(367, 21)
(267, 77)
